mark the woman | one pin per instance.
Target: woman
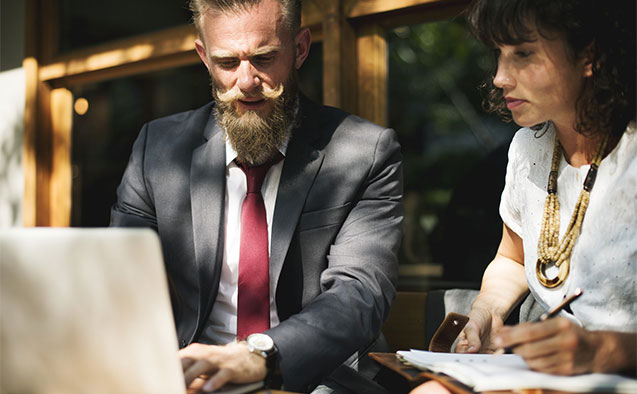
(566, 74)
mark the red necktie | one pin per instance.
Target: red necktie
(253, 310)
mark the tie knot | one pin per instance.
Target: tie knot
(256, 174)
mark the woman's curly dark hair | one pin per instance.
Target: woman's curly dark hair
(605, 27)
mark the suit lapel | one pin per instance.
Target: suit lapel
(208, 191)
(302, 163)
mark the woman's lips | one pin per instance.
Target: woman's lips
(513, 103)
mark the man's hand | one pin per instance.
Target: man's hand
(479, 333)
(559, 346)
(209, 367)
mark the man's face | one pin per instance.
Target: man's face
(252, 57)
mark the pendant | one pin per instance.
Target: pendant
(562, 273)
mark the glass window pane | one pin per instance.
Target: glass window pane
(454, 153)
(103, 137)
(86, 23)
(311, 73)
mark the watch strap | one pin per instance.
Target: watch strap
(273, 377)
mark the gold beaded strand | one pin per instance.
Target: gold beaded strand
(549, 250)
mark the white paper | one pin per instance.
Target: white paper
(486, 372)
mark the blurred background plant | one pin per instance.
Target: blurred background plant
(454, 153)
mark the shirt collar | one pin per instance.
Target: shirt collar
(231, 154)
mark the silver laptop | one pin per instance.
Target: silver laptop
(85, 311)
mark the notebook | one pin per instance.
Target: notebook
(488, 372)
(85, 311)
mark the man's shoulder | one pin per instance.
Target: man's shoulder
(178, 131)
(346, 139)
(183, 121)
(338, 118)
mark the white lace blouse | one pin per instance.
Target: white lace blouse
(604, 259)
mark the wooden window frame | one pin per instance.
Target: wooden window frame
(354, 78)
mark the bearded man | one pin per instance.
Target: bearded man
(280, 219)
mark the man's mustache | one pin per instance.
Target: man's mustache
(235, 93)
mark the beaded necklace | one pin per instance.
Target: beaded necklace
(550, 251)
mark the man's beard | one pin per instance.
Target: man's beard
(255, 137)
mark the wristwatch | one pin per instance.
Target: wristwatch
(264, 346)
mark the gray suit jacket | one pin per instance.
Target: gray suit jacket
(335, 233)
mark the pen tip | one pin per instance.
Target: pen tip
(578, 291)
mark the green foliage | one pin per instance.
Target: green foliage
(423, 59)
(435, 105)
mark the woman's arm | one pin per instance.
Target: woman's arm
(556, 346)
(503, 286)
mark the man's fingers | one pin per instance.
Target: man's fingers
(198, 359)
(217, 380)
(196, 350)
(199, 368)
(186, 362)
(220, 364)
(196, 385)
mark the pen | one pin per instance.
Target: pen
(566, 302)
(549, 314)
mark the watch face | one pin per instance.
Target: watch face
(261, 342)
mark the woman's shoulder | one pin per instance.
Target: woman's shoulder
(629, 138)
(625, 153)
(529, 143)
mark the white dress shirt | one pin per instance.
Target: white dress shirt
(223, 319)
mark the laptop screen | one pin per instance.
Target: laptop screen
(85, 311)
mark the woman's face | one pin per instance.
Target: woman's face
(540, 81)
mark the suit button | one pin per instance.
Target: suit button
(183, 343)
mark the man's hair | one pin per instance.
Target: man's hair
(605, 28)
(291, 10)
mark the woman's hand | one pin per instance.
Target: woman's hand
(559, 346)
(503, 286)
(480, 332)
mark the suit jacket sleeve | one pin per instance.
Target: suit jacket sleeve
(135, 207)
(358, 286)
